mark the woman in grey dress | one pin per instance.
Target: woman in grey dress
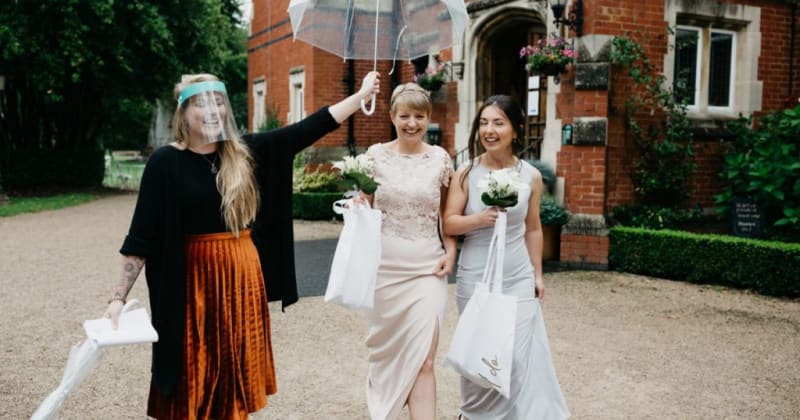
(535, 391)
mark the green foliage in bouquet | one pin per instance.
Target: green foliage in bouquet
(359, 181)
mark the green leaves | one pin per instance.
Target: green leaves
(72, 63)
(763, 165)
(662, 172)
(505, 201)
(360, 181)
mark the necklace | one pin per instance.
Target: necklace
(213, 164)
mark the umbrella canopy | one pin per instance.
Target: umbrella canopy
(85, 356)
(379, 29)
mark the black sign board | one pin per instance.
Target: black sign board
(748, 218)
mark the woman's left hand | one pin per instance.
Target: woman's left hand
(540, 289)
(444, 267)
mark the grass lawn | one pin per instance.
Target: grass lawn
(123, 172)
(18, 205)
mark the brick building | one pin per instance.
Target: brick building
(744, 59)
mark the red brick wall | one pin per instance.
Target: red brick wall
(584, 169)
(584, 249)
(324, 79)
(597, 178)
(773, 65)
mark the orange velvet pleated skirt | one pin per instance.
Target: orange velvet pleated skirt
(227, 367)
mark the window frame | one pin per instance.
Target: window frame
(297, 88)
(732, 81)
(703, 73)
(259, 106)
(698, 65)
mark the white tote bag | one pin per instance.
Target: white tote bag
(358, 253)
(482, 348)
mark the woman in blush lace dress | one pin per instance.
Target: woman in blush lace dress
(535, 392)
(411, 289)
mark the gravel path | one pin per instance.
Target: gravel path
(625, 346)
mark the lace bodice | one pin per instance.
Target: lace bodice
(409, 194)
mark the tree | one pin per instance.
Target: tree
(79, 72)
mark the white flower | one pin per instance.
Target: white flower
(362, 164)
(501, 183)
(501, 188)
(357, 173)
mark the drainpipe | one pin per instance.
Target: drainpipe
(351, 127)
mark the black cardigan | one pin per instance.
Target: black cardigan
(157, 234)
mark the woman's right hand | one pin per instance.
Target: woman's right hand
(371, 85)
(488, 217)
(113, 311)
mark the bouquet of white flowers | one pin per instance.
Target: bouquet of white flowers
(501, 188)
(357, 173)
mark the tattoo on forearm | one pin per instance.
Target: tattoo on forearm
(131, 267)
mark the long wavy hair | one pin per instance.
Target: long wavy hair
(513, 112)
(236, 180)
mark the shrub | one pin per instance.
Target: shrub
(665, 164)
(771, 268)
(552, 213)
(314, 192)
(314, 205)
(763, 165)
(653, 217)
(317, 181)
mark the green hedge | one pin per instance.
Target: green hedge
(54, 168)
(771, 268)
(314, 205)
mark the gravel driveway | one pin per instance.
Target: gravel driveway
(625, 346)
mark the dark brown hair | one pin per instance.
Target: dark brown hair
(512, 111)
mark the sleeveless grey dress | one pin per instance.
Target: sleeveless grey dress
(535, 391)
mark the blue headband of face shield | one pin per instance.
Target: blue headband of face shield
(194, 89)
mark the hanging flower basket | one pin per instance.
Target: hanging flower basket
(550, 57)
(433, 79)
(550, 69)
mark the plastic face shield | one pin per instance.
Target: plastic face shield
(208, 114)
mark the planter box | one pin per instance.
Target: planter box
(551, 242)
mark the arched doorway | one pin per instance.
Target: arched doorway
(499, 69)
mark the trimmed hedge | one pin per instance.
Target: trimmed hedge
(771, 268)
(314, 205)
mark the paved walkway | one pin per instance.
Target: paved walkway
(625, 346)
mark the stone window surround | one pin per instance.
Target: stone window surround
(259, 97)
(297, 77)
(745, 22)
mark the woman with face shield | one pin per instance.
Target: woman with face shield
(212, 228)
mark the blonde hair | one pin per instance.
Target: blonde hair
(412, 96)
(236, 179)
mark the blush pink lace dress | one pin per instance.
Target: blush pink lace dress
(409, 300)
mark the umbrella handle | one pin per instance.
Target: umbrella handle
(371, 106)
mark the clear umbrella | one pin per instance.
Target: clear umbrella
(83, 357)
(379, 29)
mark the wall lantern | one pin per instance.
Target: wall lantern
(434, 135)
(566, 134)
(574, 17)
